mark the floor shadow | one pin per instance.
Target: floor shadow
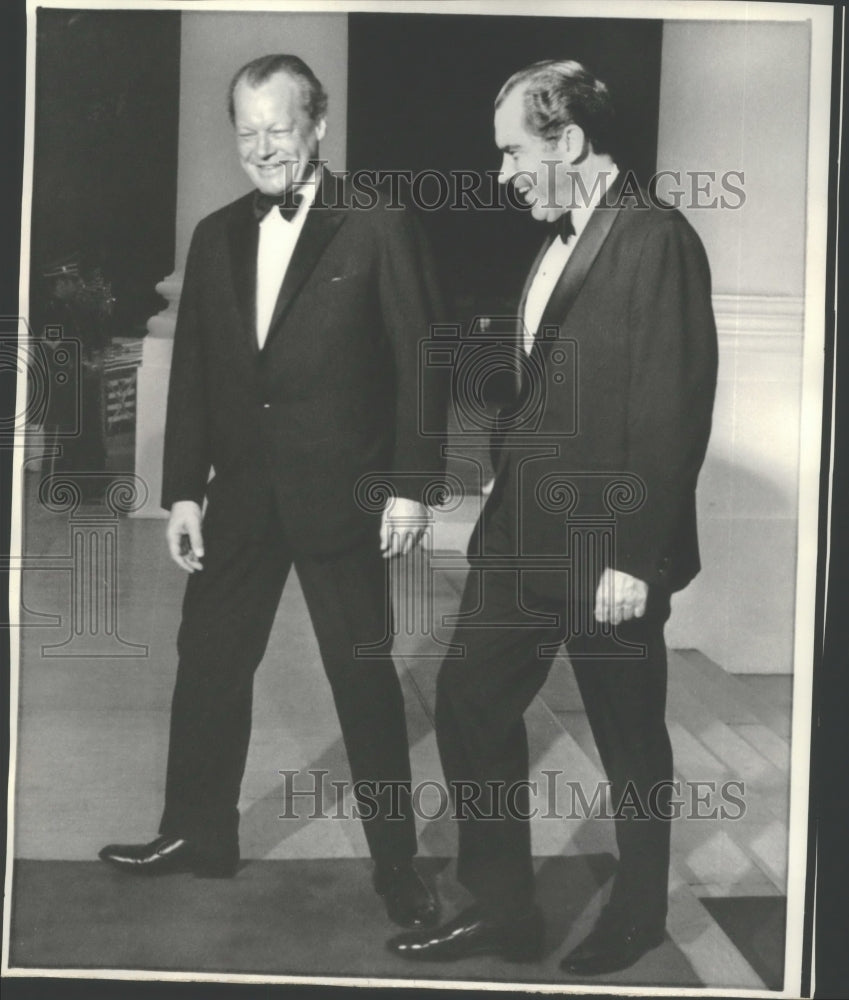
(304, 918)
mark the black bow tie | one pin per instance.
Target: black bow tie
(288, 204)
(563, 226)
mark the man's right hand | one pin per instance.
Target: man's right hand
(185, 540)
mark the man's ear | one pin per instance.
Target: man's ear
(320, 128)
(573, 144)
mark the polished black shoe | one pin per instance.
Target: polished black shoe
(611, 945)
(166, 856)
(518, 939)
(408, 901)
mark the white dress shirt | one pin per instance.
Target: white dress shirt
(552, 264)
(277, 239)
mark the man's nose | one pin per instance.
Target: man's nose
(263, 145)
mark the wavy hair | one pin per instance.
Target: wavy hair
(560, 93)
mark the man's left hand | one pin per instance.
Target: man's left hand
(619, 597)
(404, 522)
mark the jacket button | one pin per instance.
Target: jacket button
(266, 406)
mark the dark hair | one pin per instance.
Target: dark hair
(560, 93)
(259, 70)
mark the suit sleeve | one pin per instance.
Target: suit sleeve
(673, 368)
(411, 302)
(186, 461)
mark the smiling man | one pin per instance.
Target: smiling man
(278, 126)
(589, 529)
(295, 374)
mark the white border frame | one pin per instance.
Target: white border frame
(817, 209)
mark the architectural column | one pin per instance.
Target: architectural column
(213, 46)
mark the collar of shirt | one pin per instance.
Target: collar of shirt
(277, 240)
(308, 189)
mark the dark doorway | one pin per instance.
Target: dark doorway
(421, 91)
(105, 167)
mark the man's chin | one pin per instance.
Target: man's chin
(273, 184)
(270, 186)
(543, 213)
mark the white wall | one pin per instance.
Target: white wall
(735, 97)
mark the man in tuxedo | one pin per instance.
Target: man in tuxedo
(295, 377)
(590, 527)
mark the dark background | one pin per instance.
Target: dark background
(420, 96)
(105, 167)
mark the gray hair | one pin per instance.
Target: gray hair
(560, 93)
(259, 70)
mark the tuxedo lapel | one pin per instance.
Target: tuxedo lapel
(583, 256)
(244, 240)
(578, 266)
(574, 274)
(319, 228)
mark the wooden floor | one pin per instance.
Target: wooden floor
(94, 709)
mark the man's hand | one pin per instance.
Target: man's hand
(185, 541)
(404, 522)
(619, 597)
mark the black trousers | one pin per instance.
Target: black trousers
(481, 699)
(228, 611)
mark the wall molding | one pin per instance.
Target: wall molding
(768, 323)
(755, 322)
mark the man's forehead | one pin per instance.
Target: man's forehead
(281, 88)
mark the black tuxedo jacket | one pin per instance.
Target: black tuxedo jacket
(334, 393)
(614, 405)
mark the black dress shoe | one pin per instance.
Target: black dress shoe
(408, 901)
(166, 856)
(518, 939)
(611, 945)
